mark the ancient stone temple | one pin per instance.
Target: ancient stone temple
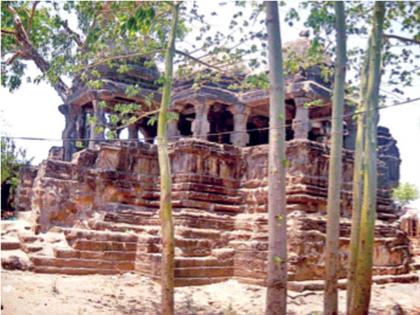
(104, 198)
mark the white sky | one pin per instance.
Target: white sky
(32, 110)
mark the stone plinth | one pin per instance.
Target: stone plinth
(220, 208)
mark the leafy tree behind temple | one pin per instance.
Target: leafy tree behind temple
(12, 159)
(405, 193)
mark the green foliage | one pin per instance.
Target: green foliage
(12, 159)
(297, 59)
(314, 103)
(46, 33)
(405, 193)
(399, 58)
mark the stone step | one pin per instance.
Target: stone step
(390, 270)
(131, 219)
(115, 227)
(193, 247)
(209, 197)
(74, 271)
(190, 247)
(209, 206)
(205, 179)
(184, 262)
(29, 238)
(88, 245)
(202, 220)
(189, 272)
(187, 232)
(199, 187)
(10, 244)
(415, 266)
(31, 248)
(119, 208)
(318, 285)
(101, 255)
(387, 216)
(100, 236)
(38, 261)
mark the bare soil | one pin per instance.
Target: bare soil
(26, 293)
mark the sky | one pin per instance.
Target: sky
(32, 110)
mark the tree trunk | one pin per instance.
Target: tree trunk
(276, 299)
(359, 303)
(335, 167)
(358, 179)
(167, 226)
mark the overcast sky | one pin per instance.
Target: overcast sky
(32, 111)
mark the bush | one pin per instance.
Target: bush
(405, 193)
(12, 159)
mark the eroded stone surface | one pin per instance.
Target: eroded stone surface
(111, 197)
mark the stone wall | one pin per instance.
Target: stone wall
(220, 207)
(24, 191)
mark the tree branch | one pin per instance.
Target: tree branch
(7, 32)
(29, 51)
(119, 57)
(31, 18)
(77, 38)
(403, 39)
(15, 55)
(182, 53)
(139, 118)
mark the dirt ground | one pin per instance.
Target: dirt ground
(26, 293)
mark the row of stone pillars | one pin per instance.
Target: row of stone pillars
(76, 126)
(200, 126)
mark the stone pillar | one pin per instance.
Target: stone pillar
(133, 132)
(82, 131)
(349, 133)
(301, 123)
(149, 137)
(173, 132)
(69, 133)
(240, 136)
(97, 127)
(200, 126)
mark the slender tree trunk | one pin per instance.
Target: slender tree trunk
(276, 299)
(359, 303)
(358, 167)
(167, 226)
(335, 167)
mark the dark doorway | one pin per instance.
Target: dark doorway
(257, 127)
(186, 117)
(221, 121)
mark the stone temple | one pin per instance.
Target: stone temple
(102, 199)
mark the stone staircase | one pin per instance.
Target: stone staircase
(88, 252)
(200, 253)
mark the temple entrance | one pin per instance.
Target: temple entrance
(221, 120)
(186, 117)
